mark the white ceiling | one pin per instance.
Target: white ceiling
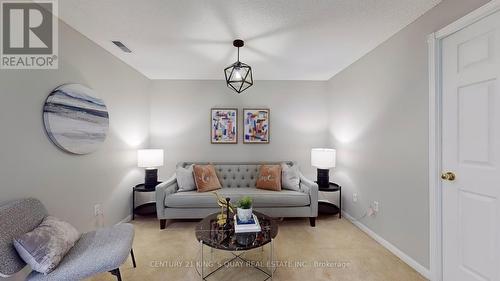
(284, 39)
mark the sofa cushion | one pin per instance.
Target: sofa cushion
(290, 177)
(261, 198)
(269, 177)
(206, 178)
(235, 176)
(185, 178)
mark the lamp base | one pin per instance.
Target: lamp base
(151, 178)
(323, 178)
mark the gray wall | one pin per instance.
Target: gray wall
(70, 185)
(180, 121)
(379, 124)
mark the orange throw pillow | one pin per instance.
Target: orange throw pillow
(205, 178)
(269, 177)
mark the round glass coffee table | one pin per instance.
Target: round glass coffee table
(209, 233)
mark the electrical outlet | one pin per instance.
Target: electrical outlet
(98, 210)
(354, 197)
(370, 212)
(376, 206)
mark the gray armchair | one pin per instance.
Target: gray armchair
(98, 251)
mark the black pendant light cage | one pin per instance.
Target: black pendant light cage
(238, 75)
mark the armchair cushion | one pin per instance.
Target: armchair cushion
(98, 251)
(16, 218)
(45, 246)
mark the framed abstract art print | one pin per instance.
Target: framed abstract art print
(224, 125)
(256, 125)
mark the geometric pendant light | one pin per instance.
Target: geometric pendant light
(238, 75)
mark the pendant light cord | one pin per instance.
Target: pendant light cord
(238, 53)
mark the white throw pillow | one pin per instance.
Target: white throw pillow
(290, 177)
(185, 179)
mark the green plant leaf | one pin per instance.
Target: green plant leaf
(245, 202)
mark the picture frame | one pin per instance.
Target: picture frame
(256, 125)
(224, 126)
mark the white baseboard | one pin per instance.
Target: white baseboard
(126, 219)
(393, 249)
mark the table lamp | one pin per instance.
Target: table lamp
(323, 159)
(150, 159)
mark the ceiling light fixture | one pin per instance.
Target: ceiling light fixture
(238, 75)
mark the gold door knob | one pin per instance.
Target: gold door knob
(448, 176)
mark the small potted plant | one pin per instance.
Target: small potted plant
(245, 209)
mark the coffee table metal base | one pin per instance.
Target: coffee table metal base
(269, 275)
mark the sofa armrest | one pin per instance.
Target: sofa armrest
(310, 187)
(163, 190)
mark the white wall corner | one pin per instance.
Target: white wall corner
(393, 249)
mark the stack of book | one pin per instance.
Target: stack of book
(249, 226)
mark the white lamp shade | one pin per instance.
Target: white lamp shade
(323, 158)
(149, 158)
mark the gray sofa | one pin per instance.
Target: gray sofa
(237, 180)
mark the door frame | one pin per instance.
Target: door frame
(435, 131)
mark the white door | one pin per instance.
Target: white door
(471, 150)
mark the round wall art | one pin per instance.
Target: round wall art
(75, 118)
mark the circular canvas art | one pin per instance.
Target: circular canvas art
(75, 118)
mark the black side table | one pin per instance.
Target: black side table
(144, 209)
(327, 207)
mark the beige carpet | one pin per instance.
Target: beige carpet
(334, 250)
